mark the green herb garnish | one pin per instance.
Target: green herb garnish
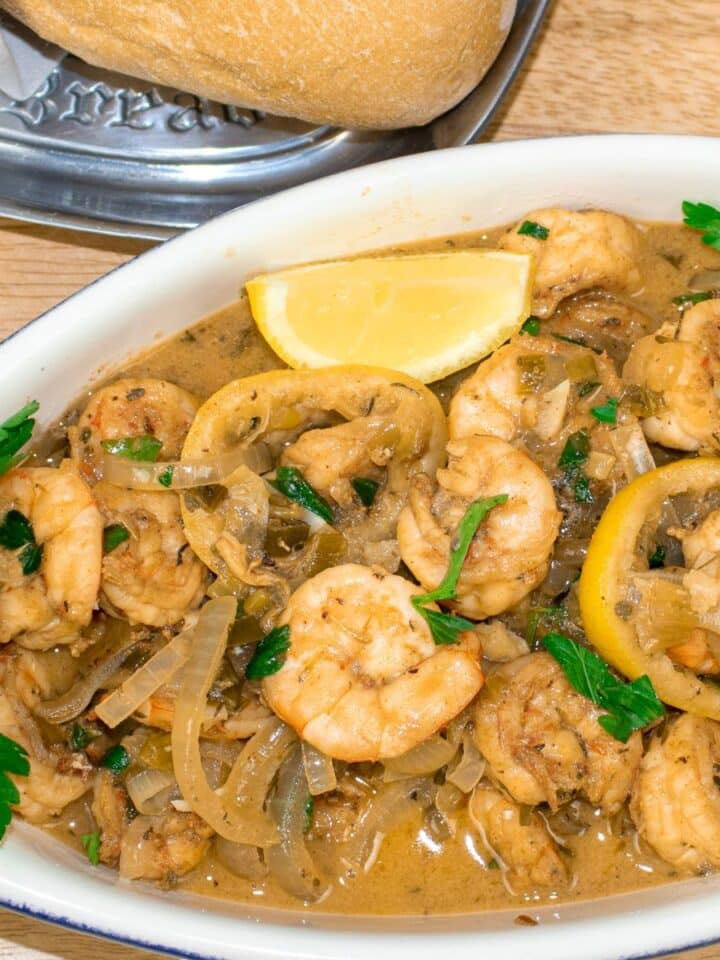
(703, 216)
(629, 706)
(309, 812)
(145, 448)
(79, 737)
(687, 299)
(581, 488)
(656, 559)
(366, 489)
(269, 654)
(576, 341)
(292, 484)
(116, 759)
(528, 228)
(91, 842)
(13, 759)
(445, 627)
(606, 412)
(113, 536)
(16, 533)
(14, 434)
(576, 450)
(588, 387)
(165, 478)
(531, 326)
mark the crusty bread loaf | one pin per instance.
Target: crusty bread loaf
(357, 63)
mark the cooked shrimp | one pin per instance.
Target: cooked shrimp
(676, 801)
(522, 846)
(583, 249)
(153, 577)
(110, 808)
(219, 723)
(46, 791)
(50, 604)
(542, 740)
(163, 848)
(680, 374)
(363, 679)
(510, 553)
(132, 408)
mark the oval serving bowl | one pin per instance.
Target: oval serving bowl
(172, 286)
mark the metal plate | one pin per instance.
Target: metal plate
(100, 151)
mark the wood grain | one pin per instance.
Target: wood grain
(610, 65)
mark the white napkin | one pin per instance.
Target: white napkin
(25, 60)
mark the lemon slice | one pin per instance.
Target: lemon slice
(427, 315)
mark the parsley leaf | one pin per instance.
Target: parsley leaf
(79, 737)
(606, 412)
(528, 228)
(445, 627)
(16, 532)
(629, 706)
(577, 341)
(576, 450)
(292, 484)
(116, 759)
(14, 434)
(13, 759)
(309, 812)
(91, 842)
(145, 448)
(581, 488)
(531, 326)
(689, 299)
(269, 654)
(165, 478)
(656, 560)
(366, 489)
(703, 216)
(113, 536)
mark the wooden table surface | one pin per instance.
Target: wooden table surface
(610, 65)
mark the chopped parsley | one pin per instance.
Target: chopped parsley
(292, 484)
(79, 737)
(113, 536)
(581, 487)
(689, 299)
(309, 813)
(445, 627)
(703, 216)
(116, 759)
(145, 448)
(366, 489)
(531, 326)
(656, 559)
(577, 341)
(16, 533)
(529, 228)
(576, 450)
(606, 412)
(13, 759)
(91, 842)
(630, 706)
(269, 654)
(14, 434)
(165, 478)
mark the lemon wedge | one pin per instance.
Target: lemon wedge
(427, 315)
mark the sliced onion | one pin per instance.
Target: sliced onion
(133, 849)
(72, 703)
(147, 679)
(319, 770)
(150, 790)
(290, 862)
(393, 804)
(705, 280)
(242, 859)
(471, 767)
(448, 800)
(425, 758)
(632, 450)
(551, 411)
(184, 474)
(219, 809)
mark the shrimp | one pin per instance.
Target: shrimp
(510, 553)
(49, 604)
(522, 846)
(219, 723)
(542, 740)
(676, 802)
(132, 408)
(363, 678)
(583, 249)
(163, 848)
(153, 577)
(679, 371)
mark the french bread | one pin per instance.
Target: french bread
(356, 63)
